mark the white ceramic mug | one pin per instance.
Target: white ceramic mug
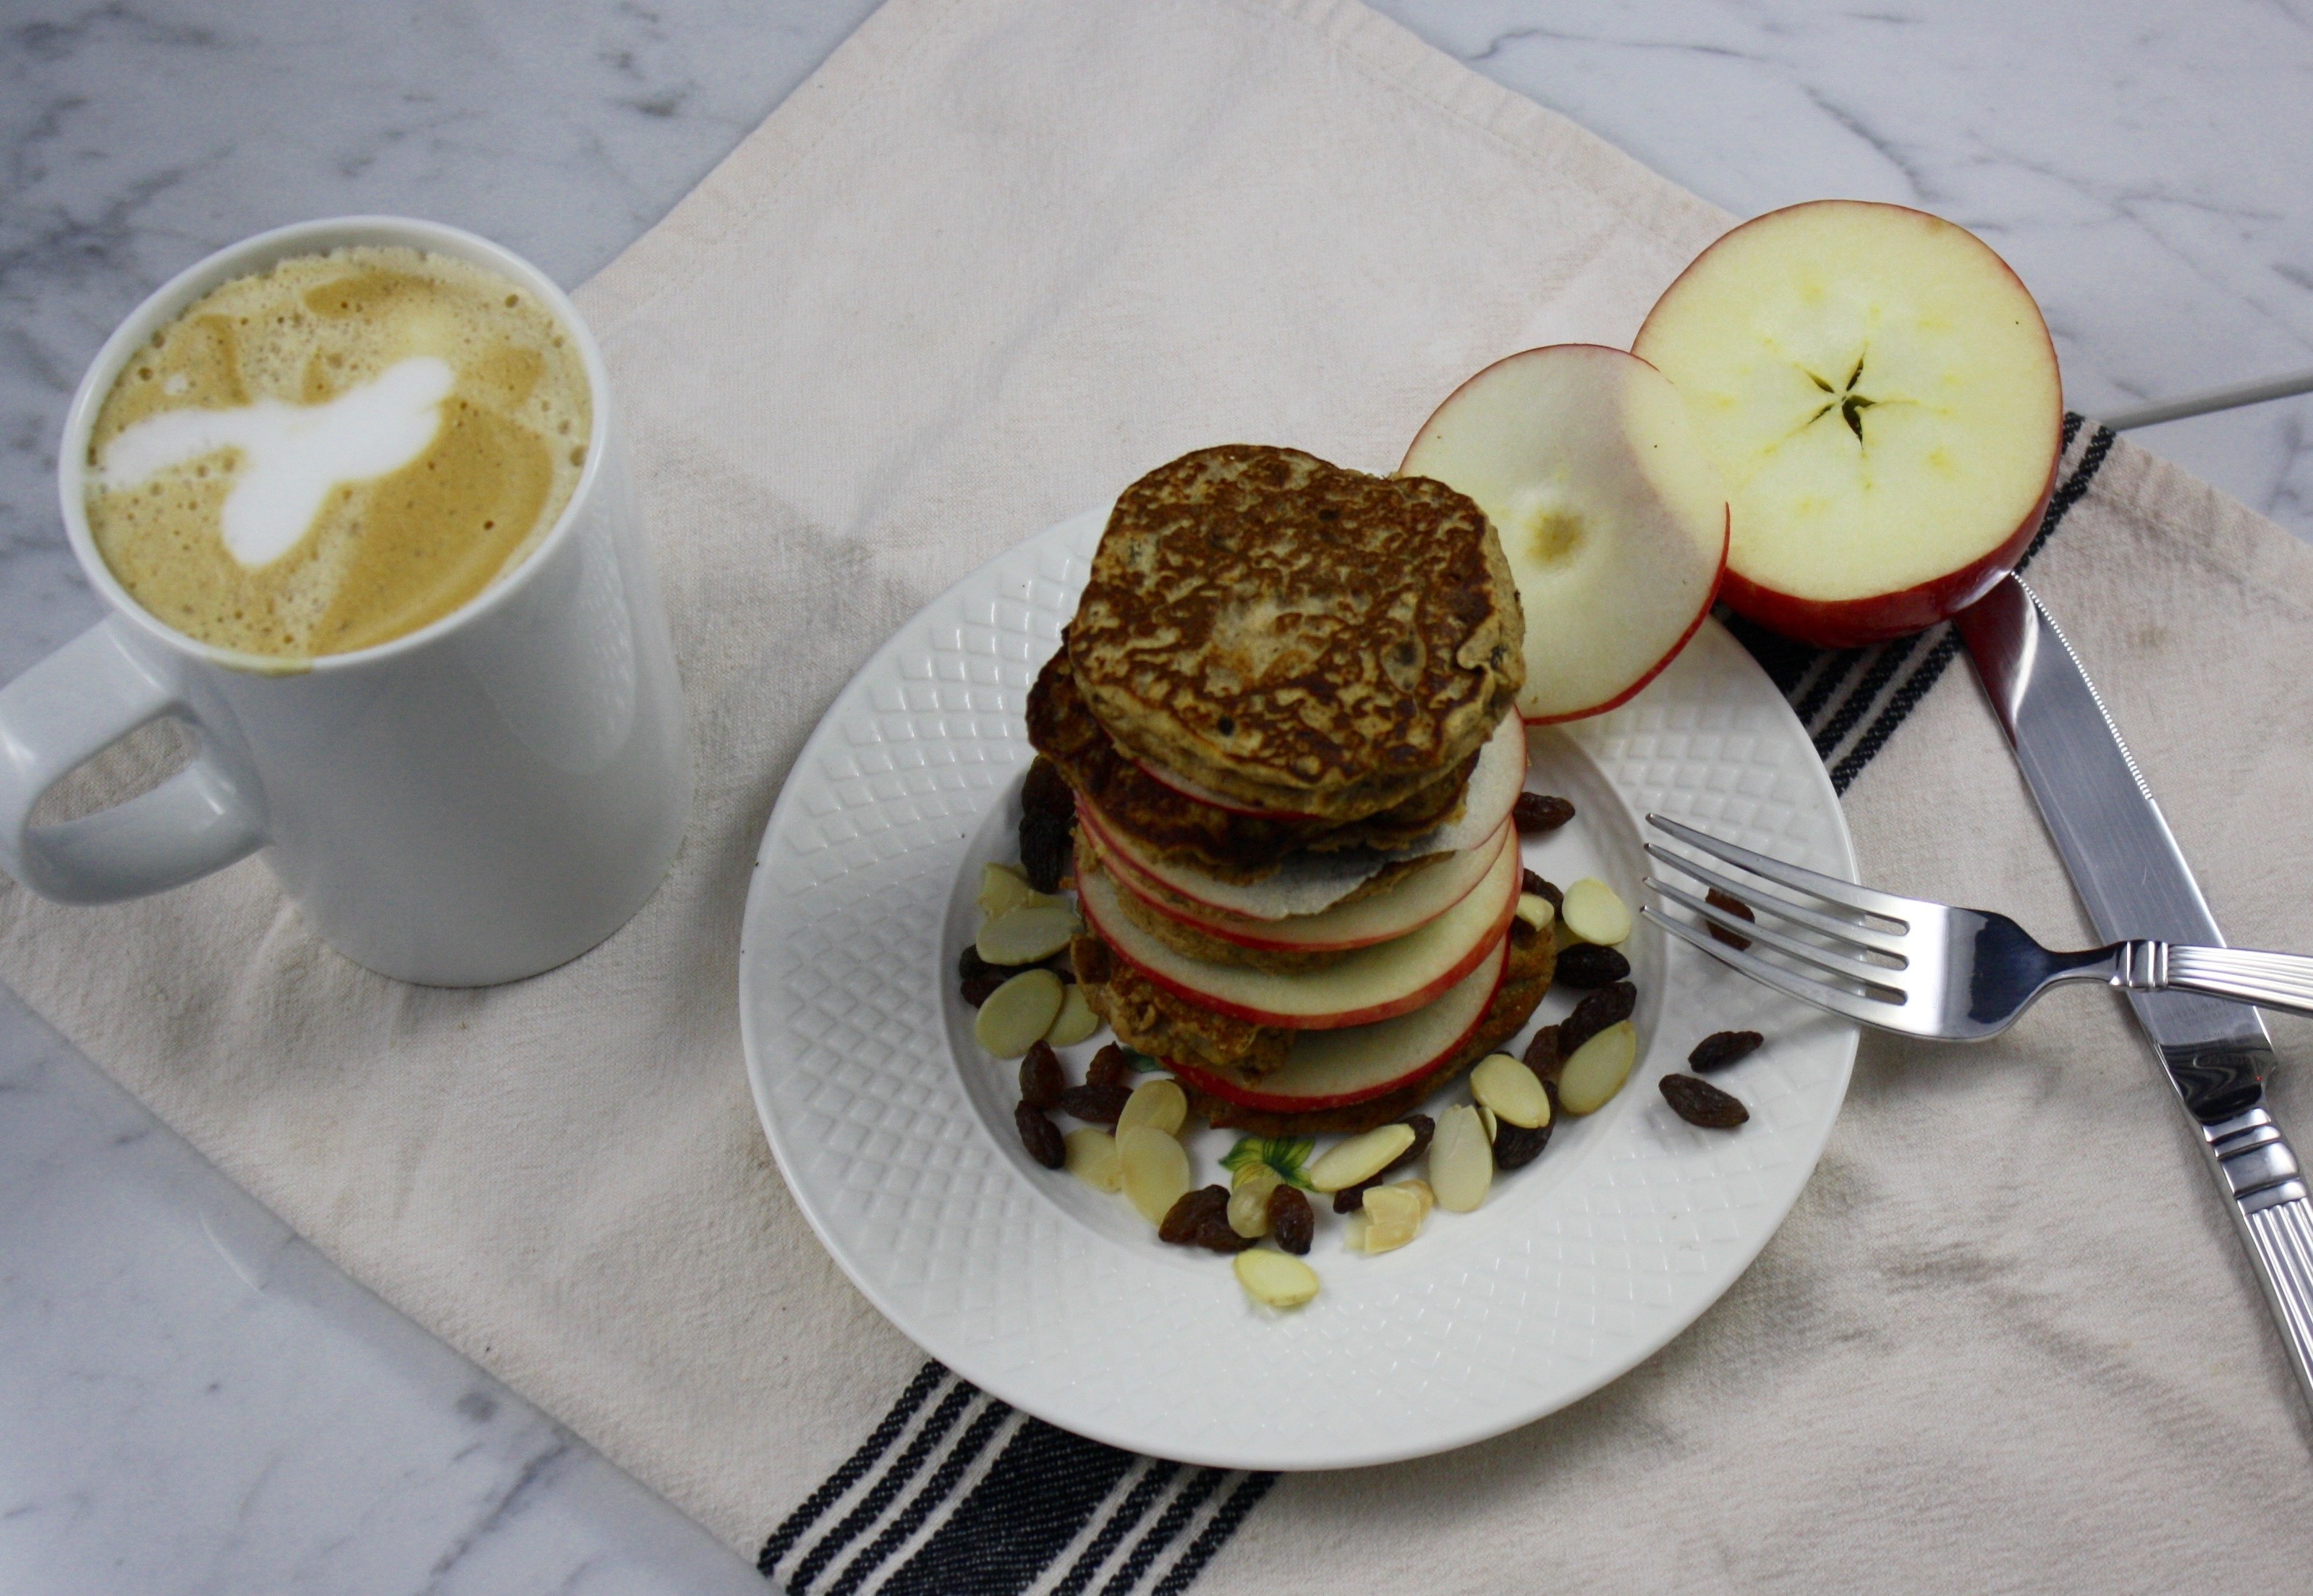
(475, 801)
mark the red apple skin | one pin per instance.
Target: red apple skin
(1244, 1096)
(1718, 585)
(1854, 622)
(1318, 1022)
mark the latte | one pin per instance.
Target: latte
(338, 451)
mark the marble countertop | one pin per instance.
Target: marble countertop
(193, 1400)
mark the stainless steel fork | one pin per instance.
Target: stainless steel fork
(1926, 969)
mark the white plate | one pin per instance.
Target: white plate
(895, 1131)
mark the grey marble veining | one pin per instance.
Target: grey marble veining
(193, 1400)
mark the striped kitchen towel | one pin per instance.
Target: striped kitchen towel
(995, 259)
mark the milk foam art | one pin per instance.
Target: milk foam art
(292, 455)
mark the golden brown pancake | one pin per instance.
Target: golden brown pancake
(1181, 830)
(1145, 1016)
(1296, 636)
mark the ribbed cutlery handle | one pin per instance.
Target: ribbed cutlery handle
(2272, 979)
(2260, 1173)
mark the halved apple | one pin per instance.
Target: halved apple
(1405, 906)
(1371, 983)
(1613, 522)
(1310, 882)
(1880, 395)
(1335, 1069)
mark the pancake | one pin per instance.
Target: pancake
(1145, 1016)
(1533, 961)
(1297, 636)
(1181, 830)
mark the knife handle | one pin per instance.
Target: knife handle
(2243, 975)
(2269, 1199)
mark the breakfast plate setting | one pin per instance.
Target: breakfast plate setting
(895, 1128)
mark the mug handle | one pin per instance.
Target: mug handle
(73, 704)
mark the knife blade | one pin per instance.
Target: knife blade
(2131, 877)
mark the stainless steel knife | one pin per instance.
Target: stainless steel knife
(2129, 873)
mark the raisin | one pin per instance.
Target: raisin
(1094, 1105)
(1047, 849)
(1187, 1216)
(1108, 1068)
(1042, 1079)
(1586, 964)
(969, 963)
(1699, 1103)
(1735, 906)
(1722, 1048)
(1515, 1146)
(1542, 1055)
(1609, 1005)
(1531, 882)
(1041, 1137)
(1090, 958)
(1539, 812)
(1045, 791)
(1291, 1220)
(1215, 1235)
(976, 988)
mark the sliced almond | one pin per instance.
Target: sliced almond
(1156, 1171)
(1158, 1103)
(1536, 911)
(1248, 1207)
(1360, 1157)
(1593, 913)
(1092, 1159)
(1031, 932)
(1598, 1068)
(1393, 1217)
(1512, 1090)
(1421, 1193)
(1003, 888)
(1461, 1160)
(1074, 1022)
(1018, 1013)
(1274, 1279)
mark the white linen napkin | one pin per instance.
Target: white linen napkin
(995, 259)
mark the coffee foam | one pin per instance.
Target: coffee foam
(338, 451)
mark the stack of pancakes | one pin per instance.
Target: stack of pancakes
(1286, 710)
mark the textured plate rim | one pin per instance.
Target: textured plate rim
(1023, 1395)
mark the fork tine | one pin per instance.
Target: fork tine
(1774, 902)
(1823, 958)
(1830, 888)
(1870, 1011)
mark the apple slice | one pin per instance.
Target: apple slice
(1377, 982)
(1613, 522)
(1880, 395)
(1406, 907)
(1217, 800)
(1334, 1068)
(1310, 882)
